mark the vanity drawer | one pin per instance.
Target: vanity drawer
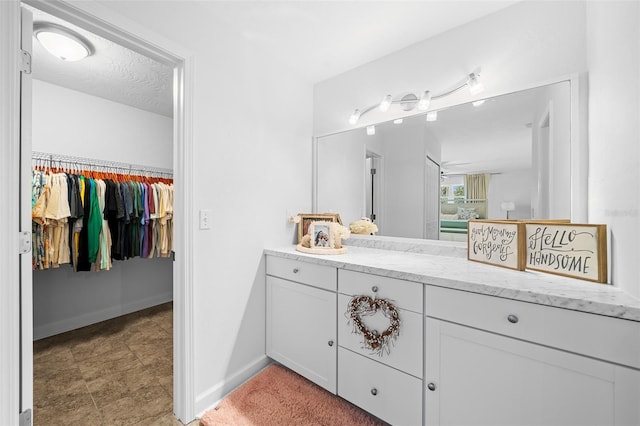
(389, 394)
(320, 276)
(405, 353)
(606, 338)
(404, 294)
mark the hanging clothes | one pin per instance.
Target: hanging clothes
(39, 227)
(89, 220)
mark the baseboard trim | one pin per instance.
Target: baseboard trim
(51, 329)
(212, 397)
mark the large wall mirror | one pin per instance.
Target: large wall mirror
(505, 157)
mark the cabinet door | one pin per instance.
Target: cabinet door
(301, 330)
(482, 378)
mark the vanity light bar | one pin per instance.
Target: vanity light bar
(409, 102)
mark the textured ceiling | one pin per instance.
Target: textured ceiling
(113, 72)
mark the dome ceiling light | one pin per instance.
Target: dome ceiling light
(62, 42)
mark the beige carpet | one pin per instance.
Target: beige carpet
(278, 396)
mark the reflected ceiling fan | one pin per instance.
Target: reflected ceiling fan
(445, 170)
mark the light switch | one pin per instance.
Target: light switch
(205, 219)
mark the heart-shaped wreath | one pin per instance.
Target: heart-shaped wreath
(360, 306)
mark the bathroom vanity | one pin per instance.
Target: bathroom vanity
(478, 344)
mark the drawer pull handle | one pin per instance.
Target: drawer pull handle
(374, 289)
(431, 386)
(374, 391)
(296, 270)
(512, 319)
(330, 343)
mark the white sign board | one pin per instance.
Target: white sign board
(499, 243)
(572, 250)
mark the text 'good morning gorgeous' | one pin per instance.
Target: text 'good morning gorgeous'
(493, 241)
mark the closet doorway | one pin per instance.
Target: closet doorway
(111, 332)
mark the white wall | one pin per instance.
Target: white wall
(552, 165)
(341, 179)
(525, 45)
(405, 149)
(560, 178)
(73, 123)
(613, 54)
(69, 122)
(519, 46)
(64, 300)
(252, 133)
(510, 186)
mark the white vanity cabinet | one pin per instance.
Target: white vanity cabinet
(301, 318)
(388, 385)
(462, 357)
(493, 361)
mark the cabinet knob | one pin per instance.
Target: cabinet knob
(296, 270)
(374, 391)
(431, 386)
(512, 319)
(374, 289)
(330, 343)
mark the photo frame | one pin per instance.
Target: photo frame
(497, 242)
(321, 236)
(575, 250)
(307, 218)
(458, 191)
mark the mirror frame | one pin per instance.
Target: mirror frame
(578, 145)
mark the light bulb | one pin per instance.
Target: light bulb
(478, 103)
(386, 103)
(397, 121)
(371, 130)
(432, 115)
(354, 117)
(62, 42)
(425, 101)
(475, 87)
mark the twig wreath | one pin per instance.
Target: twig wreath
(360, 306)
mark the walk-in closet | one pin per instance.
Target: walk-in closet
(102, 212)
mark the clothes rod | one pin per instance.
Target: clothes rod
(59, 160)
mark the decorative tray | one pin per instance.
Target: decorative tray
(315, 250)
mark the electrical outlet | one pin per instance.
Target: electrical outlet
(205, 219)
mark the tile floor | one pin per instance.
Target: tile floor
(117, 372)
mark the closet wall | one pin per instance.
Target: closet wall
(73, 123)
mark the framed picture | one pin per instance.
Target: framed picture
(573, 250)
(495, 242)
(458, 191)
(307, 218)
(321, 235)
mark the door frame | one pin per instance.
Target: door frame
(111, 25)
(10, 22)
(427, 182)
(378, 204)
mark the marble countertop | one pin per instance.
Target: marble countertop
(456, 272)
